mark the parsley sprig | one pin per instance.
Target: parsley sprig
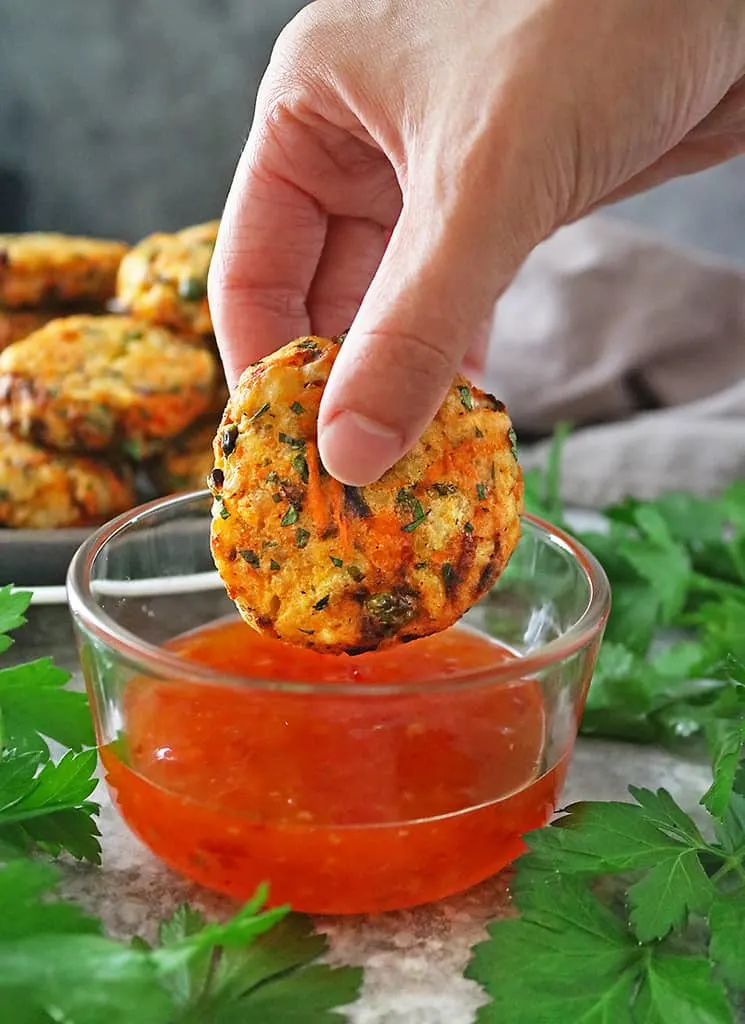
(662, 941)
(676, 566)
(56, 964)
(634, 913)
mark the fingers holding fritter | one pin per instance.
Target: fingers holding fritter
(345, 569)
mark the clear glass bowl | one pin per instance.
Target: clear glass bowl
(348, 784)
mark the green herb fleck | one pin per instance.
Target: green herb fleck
(308, 632)
(320, 605)
(481, 492)
(300, 465)
(260, 412)
(301, 537)
(251, 557)
(419, 516)
(272, 477)
(308, 344)
(391, 610)
(356, 573)
(193, 288)
(224, 514)
(407, 498)
(290, 517)
(478, 432)
(466, 397)
(513, 442)
(297, 408)
(276, 498)
(274, 566)
(294, 442)
(468, 527)
(337, 562)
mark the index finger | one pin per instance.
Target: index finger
(268, 248)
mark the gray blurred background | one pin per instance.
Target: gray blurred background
(121, 117)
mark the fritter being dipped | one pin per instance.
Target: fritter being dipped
(344, 569)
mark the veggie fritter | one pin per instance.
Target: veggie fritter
(49, 269)
(17, 324)
(187, 461)
(344, 569)
(41, 490)
(163, 279)
(86, 383)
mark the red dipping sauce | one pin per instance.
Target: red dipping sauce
(343, 803)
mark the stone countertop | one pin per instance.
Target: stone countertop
(413, 960)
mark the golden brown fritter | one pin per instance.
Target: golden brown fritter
(50, 269)
(93, 384)
(163, 279)
(42, 490)
(345, 569)
(16, 324)
(187, 461)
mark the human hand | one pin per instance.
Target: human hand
(471, 129)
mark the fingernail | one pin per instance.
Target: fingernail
(357, 450)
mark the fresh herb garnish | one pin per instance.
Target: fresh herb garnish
(302, 537)
(338, 562)
(224, 514)
(300, 465)
(675, 563)
(320, 605)
(290, 517)
(55, 963)
(356, 573)
(512, 438)
(293, 442)
(465, 396)
(192, 288)
(409, 501)
(468, 527)
(274, 566)
(661, 938)
(251, 558)
(260, 412)
(481, 492)
(297, 408)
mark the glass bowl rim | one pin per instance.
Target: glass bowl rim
(163, 664)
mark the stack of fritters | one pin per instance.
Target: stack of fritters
(88, 398)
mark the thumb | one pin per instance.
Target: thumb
(435, 287)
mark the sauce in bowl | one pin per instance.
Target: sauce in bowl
(342, 803)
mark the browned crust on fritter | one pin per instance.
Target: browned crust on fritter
(347, 570)
(54, 270)
(163, 279)
(42, 490)
(103, 383)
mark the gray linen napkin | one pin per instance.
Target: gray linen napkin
(641, 346)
